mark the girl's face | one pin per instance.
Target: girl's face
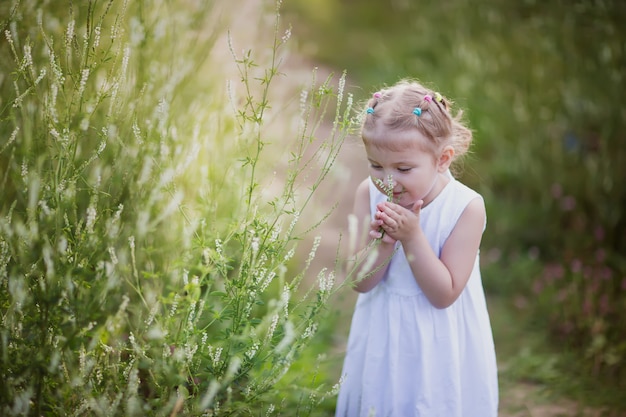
(417, 174)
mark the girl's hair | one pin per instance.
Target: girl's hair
(408, 106)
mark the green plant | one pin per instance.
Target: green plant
(144, 267)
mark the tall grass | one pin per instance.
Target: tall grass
(146, 248)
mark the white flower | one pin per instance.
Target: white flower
(83, 81)
(255, 244)
(287, 35)
(91, 220)
(96, 39)
(114, 260)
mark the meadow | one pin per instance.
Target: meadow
(171, 210)
(149, 220)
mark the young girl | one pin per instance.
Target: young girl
(420, 342)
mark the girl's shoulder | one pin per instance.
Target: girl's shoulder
(462, 198)
(463, 192)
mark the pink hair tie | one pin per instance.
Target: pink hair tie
(428, 98)
(377, 94)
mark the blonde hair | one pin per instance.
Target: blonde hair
(392, 109)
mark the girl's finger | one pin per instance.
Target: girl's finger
(418, 206)
(374, 234)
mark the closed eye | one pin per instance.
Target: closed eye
(404, 169)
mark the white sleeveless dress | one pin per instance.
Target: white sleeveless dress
(406, 358)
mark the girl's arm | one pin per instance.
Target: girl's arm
(443, 279)
(368, 272)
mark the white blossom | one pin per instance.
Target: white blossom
(83, 81)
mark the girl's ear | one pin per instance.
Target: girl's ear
(445, 159)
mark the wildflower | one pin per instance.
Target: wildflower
(114, 32)
(125, 59)
(340, 89)
(310, 331)
(284, 299)
(215, 354)
(55, 134)
(255, 244)
(42, 74)
(28, 58)
(7, 34)
(83, 81)
(58, 74)
(11, 138)
(326, 282)
(82, 355)
(24, 171)
(260, 275)
(303, 98)
(192, 314)
(335, 389)
(316, 244)
(96, 38)
(69, 34)
(190, 351)
(296, 217)
(91, 220)
(206, 256)
(268, 281)
(287, 35)
(152, 314)
(218, 247)
(137, 132)
(386, 186)
(114, 259)
(274, 323)
(251, 352)
(290, 254)
(174, 305)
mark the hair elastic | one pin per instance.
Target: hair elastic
(370, 110)
(428, 98)
(377, 94)
(417, 111)
(438, 97)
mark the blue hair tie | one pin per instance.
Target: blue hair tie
(417, 111)
(370, 110)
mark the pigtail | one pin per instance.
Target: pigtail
(370, 110)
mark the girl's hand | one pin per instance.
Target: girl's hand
(376, 232)
(397, 222)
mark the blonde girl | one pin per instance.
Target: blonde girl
(420, 343)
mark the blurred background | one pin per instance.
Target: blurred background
(542, 85)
